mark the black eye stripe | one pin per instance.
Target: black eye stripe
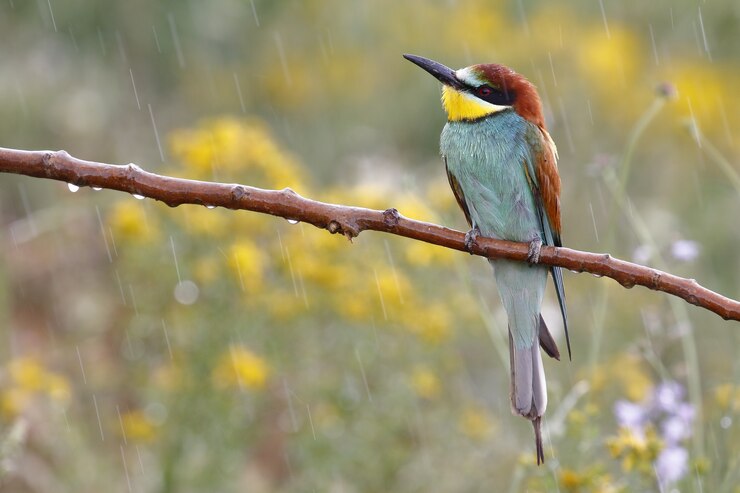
(494, 95)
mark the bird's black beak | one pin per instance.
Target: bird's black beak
(444, 74)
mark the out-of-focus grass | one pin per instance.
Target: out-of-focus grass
(197, 349)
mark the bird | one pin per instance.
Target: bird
(501, 164)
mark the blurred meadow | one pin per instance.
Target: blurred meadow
(151, 349)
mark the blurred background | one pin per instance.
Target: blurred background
(152, 349)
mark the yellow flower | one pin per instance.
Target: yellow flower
(625, 440)
(363, 195)
(195, 150)
(206, 270)
(27, 379)
(425, 383)
(706, 91)
(723, 395)
(413, 207)
(606, 484)
(13, 401)
(439, 196)
(201, 220)
(613, 61)
(229, 149)
(58, 388)
(629, 371)
(28, 374)
(355, 308)
(240, 368)
(475, 423)
(636, 451)
(475, 23)
(577, 418)
(392, 288)
(284, 305)
(171, 375)
(129, 221)
(432, 322)
(381, 293)
(701, 466)
(137, 426)
(592, 479)
(421, 254)
(318, 267)
(727, 397)
(247, 263)
(597, 377)
(626, 369)
(290, 91)
(570, 480)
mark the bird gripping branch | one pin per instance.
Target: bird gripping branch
(502, 167)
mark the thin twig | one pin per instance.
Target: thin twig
(346, 220)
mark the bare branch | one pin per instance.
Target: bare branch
(349, 221)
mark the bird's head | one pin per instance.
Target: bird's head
(478, 91)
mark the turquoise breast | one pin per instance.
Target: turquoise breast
(488, 158)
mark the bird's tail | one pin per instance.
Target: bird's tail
(521, 288)
(528, 388)
(538, 441)
(547, 343)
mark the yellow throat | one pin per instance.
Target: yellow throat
(463, 106)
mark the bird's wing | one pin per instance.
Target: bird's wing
(457, 190)
(544, 181)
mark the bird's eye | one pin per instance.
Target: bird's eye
(484, 91)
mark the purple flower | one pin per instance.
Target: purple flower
(677, 425)
(630, 415)
(672, 464)
(666, 411)
(685, 250)
(674, 429)
(686, 412)
(667, 396)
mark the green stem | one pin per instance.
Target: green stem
(169, 464)
(716, 156)
(680, 313)
(625, 165)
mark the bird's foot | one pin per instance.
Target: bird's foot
(470, 238)
(535, 247)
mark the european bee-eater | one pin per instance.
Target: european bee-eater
(502, 167)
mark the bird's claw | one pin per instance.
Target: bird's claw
(533, 254)
(470, 238)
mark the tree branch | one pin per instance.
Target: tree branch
(349, 221)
